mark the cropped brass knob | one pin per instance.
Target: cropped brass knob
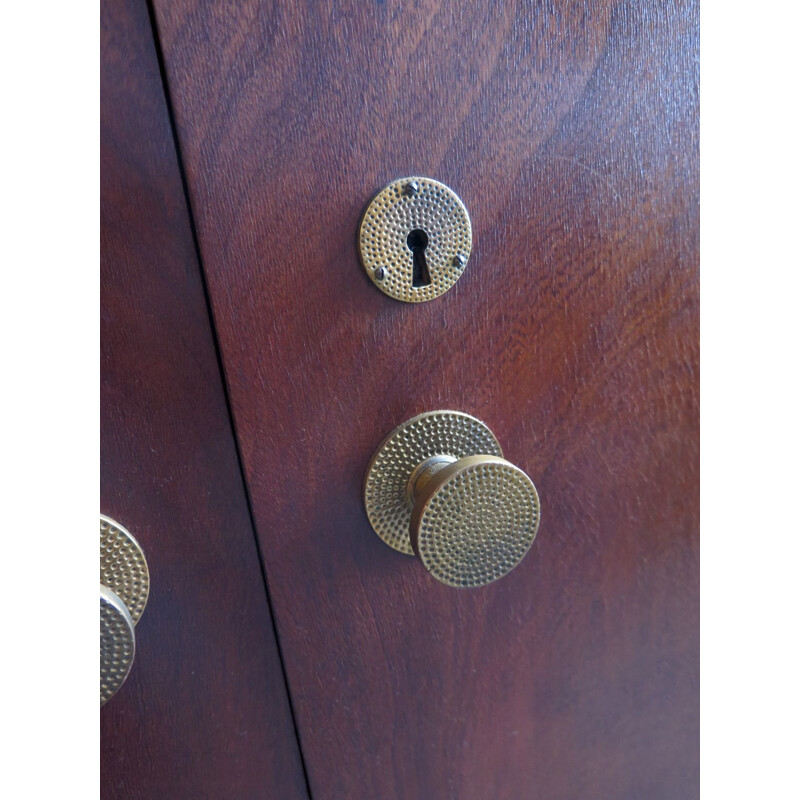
(438, 487)
(124, 588)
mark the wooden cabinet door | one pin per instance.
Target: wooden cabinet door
(570, 131)
(204, 712)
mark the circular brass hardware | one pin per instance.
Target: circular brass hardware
(117, 643)
(386, 488)
(123, 567)
(438, 487)
(474, 520)
(124, 588)
(411, 219)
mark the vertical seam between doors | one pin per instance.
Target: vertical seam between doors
(221, 366)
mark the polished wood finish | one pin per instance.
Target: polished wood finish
(570, 131)
(204, 712)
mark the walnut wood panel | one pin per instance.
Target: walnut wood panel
(570, 131)
(204, 712)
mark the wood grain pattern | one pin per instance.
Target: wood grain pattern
(204, 712)
(570, 131)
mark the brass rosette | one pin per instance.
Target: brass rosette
(433, 433)
(123, 567)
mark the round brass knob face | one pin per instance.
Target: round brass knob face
(117, 643)
(415, 239)
(474, 521)
(438, 487)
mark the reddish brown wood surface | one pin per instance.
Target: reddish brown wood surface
(570, 131)
(204, 713)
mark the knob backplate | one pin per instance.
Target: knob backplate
(434, 433)
(123, 567)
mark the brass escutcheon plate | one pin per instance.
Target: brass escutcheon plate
(415, 214)
(434, 433)
(123, 567)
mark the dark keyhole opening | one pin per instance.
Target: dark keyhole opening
(417, 241)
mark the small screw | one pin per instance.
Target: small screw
(380, 273)
(411, 188)
(459, 261)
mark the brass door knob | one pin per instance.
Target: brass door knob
(124, 587)
(438, 487)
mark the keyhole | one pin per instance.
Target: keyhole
(417, 241)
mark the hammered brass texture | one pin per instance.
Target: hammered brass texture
(123, 567)
(117, 643)
(406, 205)
(474, 521)
(433, 433)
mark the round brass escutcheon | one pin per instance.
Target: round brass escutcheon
(123, 567)
(124, 588)
(438, 487)
(415, 239)
(389, 484)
